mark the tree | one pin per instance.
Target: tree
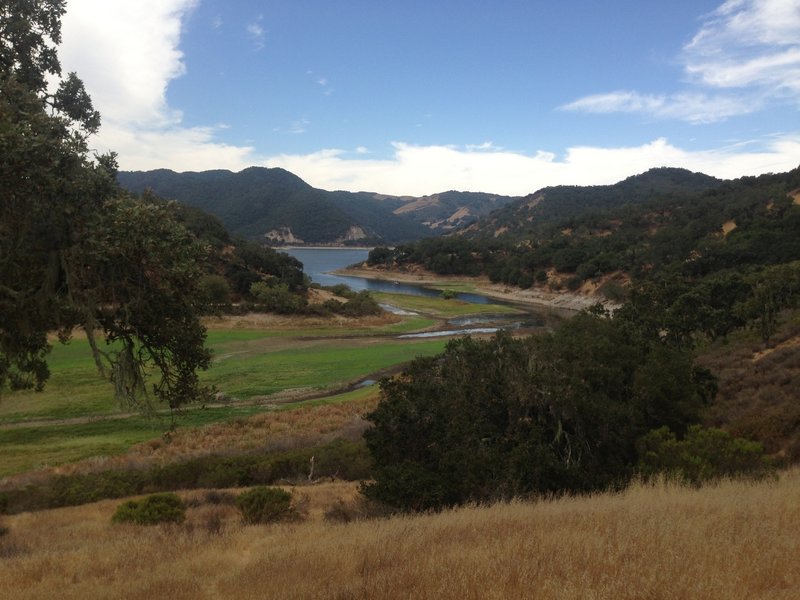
(75, 251)
(507, 417)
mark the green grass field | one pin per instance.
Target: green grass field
(441, 308)
(76, 416)
(25, 448)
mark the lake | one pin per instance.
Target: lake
(319, 263)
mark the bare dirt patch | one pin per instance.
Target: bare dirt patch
(727, 227)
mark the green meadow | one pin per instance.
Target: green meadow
(441, 308)
(76, 416)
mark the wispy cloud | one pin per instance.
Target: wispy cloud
(322, 81)
(256, 33)
(686, 106)
(745, 56)
(299, 126)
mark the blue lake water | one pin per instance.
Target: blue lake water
(319, 264)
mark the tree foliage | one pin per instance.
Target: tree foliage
(75, 251)
(509, 417)
(702, 455)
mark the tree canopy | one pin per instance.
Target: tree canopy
(508, 417)
(75, 251)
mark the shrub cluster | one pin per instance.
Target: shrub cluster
(265, 505)
(152, 510)
(702, 455)
(514, 417)
(341, 458)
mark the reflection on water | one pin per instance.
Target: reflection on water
(319, 264)
(449, 332)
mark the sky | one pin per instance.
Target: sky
(418, 97)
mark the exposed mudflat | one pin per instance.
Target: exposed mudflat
(561, 300)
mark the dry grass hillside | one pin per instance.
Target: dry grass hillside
(727, 541)
(758, 389)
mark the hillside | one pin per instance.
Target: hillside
(273, 204)
(643, 227)
(531, 215)
(727, 541)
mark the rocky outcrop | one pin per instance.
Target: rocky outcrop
(354, 233)
(282, 235)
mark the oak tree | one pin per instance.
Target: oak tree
(76, 252)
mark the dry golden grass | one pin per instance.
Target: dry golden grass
(758, 388)
(732, 540)
(269, 432)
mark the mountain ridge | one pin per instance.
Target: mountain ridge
(277, 206)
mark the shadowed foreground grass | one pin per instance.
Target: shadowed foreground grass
(731, 540)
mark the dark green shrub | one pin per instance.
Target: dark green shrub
(555, 412)
(152, 510)
(702, 455)
(265, 505)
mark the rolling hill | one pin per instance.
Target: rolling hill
(279, 207)
(526, 217)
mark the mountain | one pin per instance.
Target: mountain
(527, 217)
(643, 228)
(274, 204)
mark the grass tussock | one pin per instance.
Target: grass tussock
(728, 540)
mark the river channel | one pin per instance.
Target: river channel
(320, 263)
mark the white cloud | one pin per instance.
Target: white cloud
(691, 107)
(748, 43)
(747, 52)
(419, 170)
(256, 34)
(127, 54)
(299, 126)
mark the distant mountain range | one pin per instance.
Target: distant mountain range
(526, 218)
(276, 206)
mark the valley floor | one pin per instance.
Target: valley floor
(730, 540)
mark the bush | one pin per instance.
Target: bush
(214, 289)
(265, 505)
(278, 298)
(703, 455)
(152, 510)
(339, 458)
(555, 412)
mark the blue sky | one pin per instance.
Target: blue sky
(418, 97)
